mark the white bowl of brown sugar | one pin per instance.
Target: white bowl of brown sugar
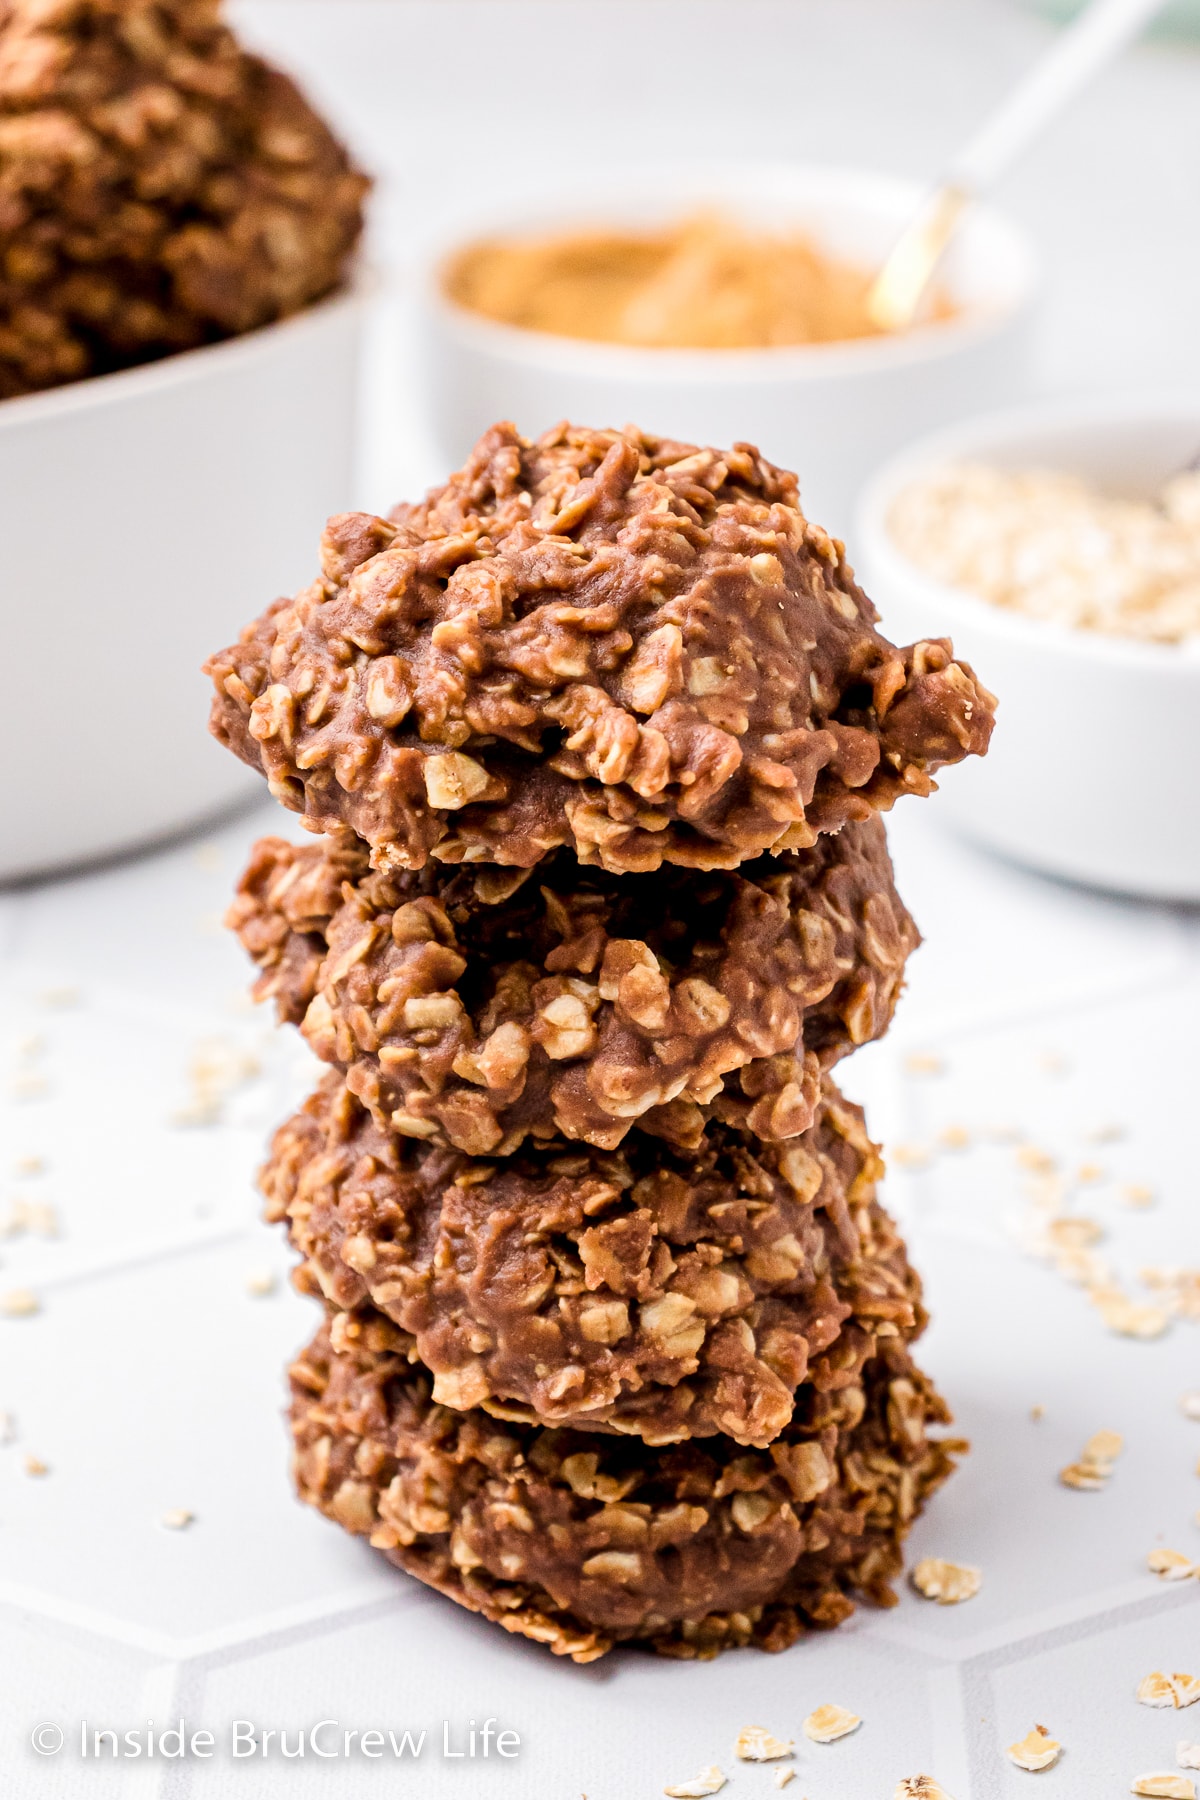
(1059, 545)
(720, 305)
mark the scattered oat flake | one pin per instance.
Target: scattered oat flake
(30, 1087)
(19, 1303)
(217, 1068)
(1037, 1412)
(1189, 1404)
(828, 1723)
(924, 1062)
(37, 1216)
(1164, 1786)
(1039, 1161)
(1171, 1565)
(1104, 1447)
(1187, 1755)
(1106, 1134)
(1126, 1317)
(946, 1582)
(60, 996)
(1084, 1476)
(909, 1156)
(783, 1776)
(920, 1787)
(35, 1466)
(179, 1518)
(1054, 1062)
(261, 1284)
(755, 1744)
(954, 1137)
(30, 1165)
(8, 1428)
(1088, 1172)
(1076, 1232)
(1176, 1690)
(1134, 1193)
(1036, 1750)
(708, 1781)
(1179, 1289)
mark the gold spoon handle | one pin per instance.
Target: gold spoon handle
(1078, 53)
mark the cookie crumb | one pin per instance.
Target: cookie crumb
(178, 1519)
(1164, 1786)
(35, 1466)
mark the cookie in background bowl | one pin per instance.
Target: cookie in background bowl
(160, 188)
(179, 325)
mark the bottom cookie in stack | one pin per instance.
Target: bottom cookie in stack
(583, 1539)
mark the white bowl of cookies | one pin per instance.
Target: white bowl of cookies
(177, 396)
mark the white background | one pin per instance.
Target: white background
(150, 1379)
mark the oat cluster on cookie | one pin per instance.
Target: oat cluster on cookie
(629, 646)
(596, 739)
(160, 188)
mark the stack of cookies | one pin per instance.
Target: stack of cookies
(616, 1339)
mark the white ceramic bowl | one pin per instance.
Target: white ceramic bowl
(144, 518)
(829, 411)
(1093, 770)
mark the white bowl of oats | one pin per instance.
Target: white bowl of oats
(1059, 545)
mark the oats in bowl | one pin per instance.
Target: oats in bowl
(1049, 544)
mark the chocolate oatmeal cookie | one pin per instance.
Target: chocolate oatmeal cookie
(159, 188)
(633, 647)
(580, 1541)
(639, 1291)
(472, 1006)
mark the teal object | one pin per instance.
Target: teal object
(1178, 19)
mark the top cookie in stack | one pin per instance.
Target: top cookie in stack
(605, 640)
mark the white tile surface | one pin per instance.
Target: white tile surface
(151, 1379)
